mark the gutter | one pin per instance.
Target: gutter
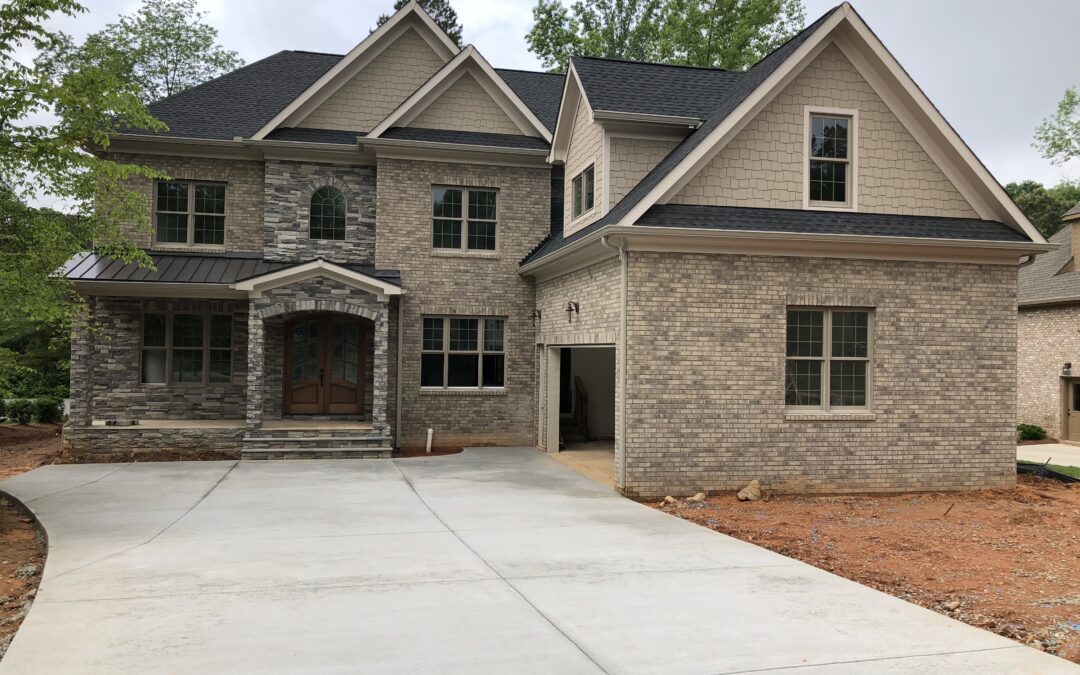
(621, 116)
(436, 145)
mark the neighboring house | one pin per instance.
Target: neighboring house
(803, 275)
(1048, 336)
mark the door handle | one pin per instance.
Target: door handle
(321, 371)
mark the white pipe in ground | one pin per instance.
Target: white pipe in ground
(430, 433)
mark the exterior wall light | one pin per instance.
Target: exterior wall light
(572, 308)
(1066, 369)
(536, 316)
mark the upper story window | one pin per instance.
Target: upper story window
(189, 212)
(463, 218)
(463, 352)
(831, 145)
(186, 348)
(828, 358)
(584, 192)
(327, 218)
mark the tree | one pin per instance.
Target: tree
(167, 47)
(50, 111)
(1044, 206)
(1058, 137)
(440, 11)
(729, 34)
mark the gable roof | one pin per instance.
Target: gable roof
(1042, 282)
(1072, 214)
(540, 91)
(468, 62)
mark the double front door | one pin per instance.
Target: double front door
(324, 367)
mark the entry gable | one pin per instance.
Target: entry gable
(255, 286)
(372, 79)
(465, 95)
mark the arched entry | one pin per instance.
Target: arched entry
(324, 364)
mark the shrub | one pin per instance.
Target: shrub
(1030, 432)
(20, 410)
(47, 410)
(3, 408)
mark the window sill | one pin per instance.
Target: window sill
(828, 416)
(455, 253)
(494, 391)
(830, 206)
(189, 248)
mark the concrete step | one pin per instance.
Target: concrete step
(314, 440)
(384, 452)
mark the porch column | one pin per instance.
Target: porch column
(256, 364)
(83, 353)
(381, 372)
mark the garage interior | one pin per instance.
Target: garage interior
(587, 411)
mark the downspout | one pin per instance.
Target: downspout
(397, 378)
(620, 350)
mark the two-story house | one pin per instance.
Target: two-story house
(802, 273)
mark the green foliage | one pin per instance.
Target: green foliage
(1058, 137)
(730, 34)
(441, 12)
(20, 411)
(47, 410)
(1044, 206)
(3, 409)
(34, 359)
(1030, 432)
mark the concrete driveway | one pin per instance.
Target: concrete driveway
(491, 561)
(1056, 453)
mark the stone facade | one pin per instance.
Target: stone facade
(382, 85)
(705, 396)
(763, 165)
(288, 190)
(465, 106)
(99, 442)
(441, 283)
(243, 199)
(1047, 338)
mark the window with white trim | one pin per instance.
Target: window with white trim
(463, 353)
(189, 212)
(828, 358)
(830, 147)
(583, 191)
(463, 218)
(186, 348)
(326, 217)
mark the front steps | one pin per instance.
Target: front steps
(315, 443)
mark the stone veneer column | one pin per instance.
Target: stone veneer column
(82, 360)
(256, 364)
(380, 422)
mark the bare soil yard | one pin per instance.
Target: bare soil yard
(1005, 561)
(27, 446)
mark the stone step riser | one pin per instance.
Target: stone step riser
(318, 453)
(311, 433)
(264, 444)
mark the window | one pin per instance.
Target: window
(831, 178)
(463, 219)
(583, 197)
(190, 213)
(463, 353)
(186, 348)
(327, 219)
(828, 358)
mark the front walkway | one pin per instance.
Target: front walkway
(491, 561)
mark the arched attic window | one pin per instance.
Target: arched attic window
(327, 214)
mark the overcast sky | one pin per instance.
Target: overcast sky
(995, 68)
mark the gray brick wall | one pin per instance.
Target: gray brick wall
(705, 396)
(289, 186)
(1047, 337)
(469, 285)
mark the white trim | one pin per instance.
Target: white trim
(470, 61)
(362, 54)
(647, 118)
(605, 188)
(560, 140)
(456, 153)
(316, 268)
(852, 203)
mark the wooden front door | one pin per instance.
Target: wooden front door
(324, 369)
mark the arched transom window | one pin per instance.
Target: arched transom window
(327, 214)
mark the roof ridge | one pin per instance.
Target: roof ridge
(531, 72)
(309, 51)
(658, 63)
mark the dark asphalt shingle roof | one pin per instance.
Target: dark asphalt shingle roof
(466, 138)
(1042, 281)
(1072, 213)
(308, 135)
(541, 92)
(184, 268)
(653, 88)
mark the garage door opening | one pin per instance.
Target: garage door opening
(587, 411)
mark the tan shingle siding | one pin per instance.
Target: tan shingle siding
(586, 147)
(631, 159)
(379, 88)
(763, 164)
(465, 106)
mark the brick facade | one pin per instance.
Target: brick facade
(440, 283)
(1048, 337)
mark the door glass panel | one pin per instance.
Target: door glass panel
(304, 349)
(1076, 396)
(344, 362)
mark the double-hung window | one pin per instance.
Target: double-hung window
(184, 348)
(463, 352)
(831, 145)
(464, 219)
(187, 212)
(583, 191)
(828, 358)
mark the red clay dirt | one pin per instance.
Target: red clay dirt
(1006, 561)
(27, 446)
